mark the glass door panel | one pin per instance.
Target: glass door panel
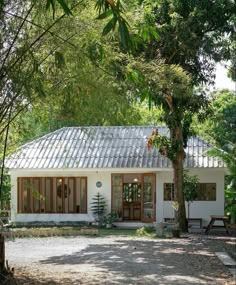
(148, 198)
(116, 203)
(132, 201)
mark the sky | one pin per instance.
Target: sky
(222, 81)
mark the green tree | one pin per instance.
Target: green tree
(228, 155)
(220, 128)
(98, 208)
(78, 86)
(190, 187)
(192, 35)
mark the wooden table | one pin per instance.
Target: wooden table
(224, 219)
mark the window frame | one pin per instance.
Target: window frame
(52, 203)
(214, 184)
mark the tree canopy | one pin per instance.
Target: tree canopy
(90, 62)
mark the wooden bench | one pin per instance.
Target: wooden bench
(224, 219)
(192, 222)
(195, 223)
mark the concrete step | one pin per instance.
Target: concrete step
(226, 259)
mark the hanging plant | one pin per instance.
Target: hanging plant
(165, 146)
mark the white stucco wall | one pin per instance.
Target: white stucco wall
(198, 209)
(92, 178)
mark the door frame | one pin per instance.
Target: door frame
(143, 219)
(153, 175)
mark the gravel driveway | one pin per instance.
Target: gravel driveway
(114, 260)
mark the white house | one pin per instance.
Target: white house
(55, 177)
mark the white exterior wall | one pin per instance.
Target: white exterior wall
(198, 209)
(92, 178)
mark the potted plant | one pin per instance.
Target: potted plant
(110, 219)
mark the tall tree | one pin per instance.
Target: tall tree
(192, 35)
(221, 127)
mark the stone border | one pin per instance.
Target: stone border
(228, 262)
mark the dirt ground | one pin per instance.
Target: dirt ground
(118, 260)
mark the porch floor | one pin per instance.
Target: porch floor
(132, 224)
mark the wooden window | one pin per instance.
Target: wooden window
(52, 194)
(116, 186)
(71, 198)
(169, 192)
(48, 195)
(83, 195)
(36, 189)
(206, 192)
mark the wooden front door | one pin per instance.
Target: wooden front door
(132, 201)
(133, 196)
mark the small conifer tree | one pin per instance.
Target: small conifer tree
(98, 207)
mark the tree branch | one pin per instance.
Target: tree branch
(16, 36)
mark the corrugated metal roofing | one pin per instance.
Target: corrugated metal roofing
(104, 147)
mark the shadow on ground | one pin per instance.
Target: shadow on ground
(143, 262)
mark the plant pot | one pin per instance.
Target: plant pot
(176, 233)
(108, 226)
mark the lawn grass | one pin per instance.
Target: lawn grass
(116, 232)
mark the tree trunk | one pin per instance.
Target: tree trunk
(2, 253)
(178, 182)
(177, 137)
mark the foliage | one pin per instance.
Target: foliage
(149, 116)
(221, 127)
(228, 155)
(146, 231)
(166, 146)
(98, 207)
(230, 200)
(6, 194)
(114, 11)
(117, 232)
(110, 218)
(192, 34)
(189, 39)
(62, 79)
(190, 187)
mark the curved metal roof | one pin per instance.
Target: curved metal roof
(104, 147)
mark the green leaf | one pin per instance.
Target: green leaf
(124, 34)
(109, 26)
(59, 59)
(134, 75)
(64, 6)
(51, 3)
(105, 15)
(62, 3)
